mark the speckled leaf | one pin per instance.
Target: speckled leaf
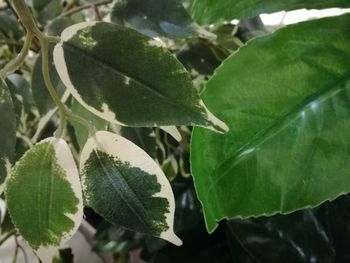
(127, 79)
(44, 196)
(125, 186)
(154, 18)
(209, 11)
(7, 131)
(289, 112)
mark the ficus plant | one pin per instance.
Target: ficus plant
(270, 128)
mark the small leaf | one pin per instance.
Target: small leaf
(7, 132)
(208, 11)
(155, 18)
(126, 79)
(113, 168)
(290, 146)
(44, 196)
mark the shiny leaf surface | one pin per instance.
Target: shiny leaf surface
(288, 147)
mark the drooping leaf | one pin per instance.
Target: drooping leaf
(288, 111)
(7, 131)
(208, 11)
(44, 196)
(113, 168)
(126, 79)
(154, 18)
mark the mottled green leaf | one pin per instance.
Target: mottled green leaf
(44, 196)
(288, 109)
(113, 168)
(209, 11)
(154, 18)
(126, 79)
(7, 131)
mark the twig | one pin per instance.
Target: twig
(7, 236)
(87, 6)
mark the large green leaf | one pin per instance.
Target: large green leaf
(123, 77)
(209, 11)
(154, 18)
(115, 169)
(285, 97)
(44, 196)
(7, 131)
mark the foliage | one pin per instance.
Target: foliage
(98, 100)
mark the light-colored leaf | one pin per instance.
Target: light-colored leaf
(44, 196)
(113, 168)
(286, 98)
(127, 79)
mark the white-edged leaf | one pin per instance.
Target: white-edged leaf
(126, 78)
(173, 131)
(44, 196)
(125, 186)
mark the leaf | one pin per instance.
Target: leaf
(285, 96)
(81, 131)
(44, 196)
(7, 132)
(20, 87)
(113, 168)
(154, 18)
(47, 9)
(208, 11)
(126, 79)
(9, 26)
(297, 237)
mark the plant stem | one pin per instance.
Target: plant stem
(7, 236)
(32, 30)
(15, 63)
(87, 6)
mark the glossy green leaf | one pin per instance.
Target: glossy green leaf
(7, 131)
(113, 168)
(154, 18)
(209, 11)
(44, 196)
(285, 97)
(123, 77)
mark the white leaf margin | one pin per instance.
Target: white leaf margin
(126, 151)
(66, 161)
(61, 66)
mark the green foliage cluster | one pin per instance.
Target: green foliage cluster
(159, 121)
